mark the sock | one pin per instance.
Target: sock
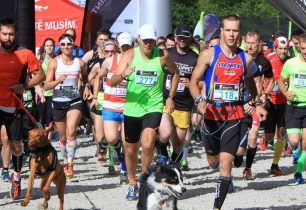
(251, 152)
(63, 152)
(16, 176)
(163, 149)
(132, 181)
(301, 162)
(71, 146)
(17, 162)
(111, 155)
(278, 149)
(177, 157)
(117, 147)
(221, 191)
(123, 167)
(185, 153)
(4, 169)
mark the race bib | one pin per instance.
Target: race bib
(226, 92)
(69, 91)
(276, 88)
(27, 95)
(146, 78)
(180, 86)
(299, 80)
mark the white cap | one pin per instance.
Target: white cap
(125, 38)
(147, 31)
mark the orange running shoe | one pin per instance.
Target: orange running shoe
(276, 171)
(262, 144)
(16, 188)
(69, 171)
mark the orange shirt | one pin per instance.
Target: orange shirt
(12, 66)
(276, 95)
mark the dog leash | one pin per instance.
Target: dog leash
(37, 124)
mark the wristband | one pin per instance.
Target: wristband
(198, 100)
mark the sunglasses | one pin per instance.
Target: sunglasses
(69, 44)
(109, 51)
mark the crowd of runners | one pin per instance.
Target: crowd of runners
(157, 94)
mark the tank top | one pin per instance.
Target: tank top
(44, 66)
(114, 97)
(224, 82)
(68, 90)
(145, 85)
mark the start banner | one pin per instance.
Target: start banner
(52, 18)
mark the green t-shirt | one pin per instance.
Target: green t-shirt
(145, 85)
(295, 70)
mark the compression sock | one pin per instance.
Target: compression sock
(251, 152)
(17, 162)
(279, 146)
(71, 146)
(163, 149)
(63, 152)
(111, 155)
(221, 191)
(301, 162)
(185, 153)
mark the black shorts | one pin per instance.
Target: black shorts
(133, 126)
(14, 125)
(295, 117)
(45, 116)
(222, 136)
(275, 117)
(59, 115)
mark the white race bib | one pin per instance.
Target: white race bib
(146, 78)
(180, 86)
(226, 92)
(299, 80)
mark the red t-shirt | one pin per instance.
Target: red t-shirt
(13, 64)
(276, 95)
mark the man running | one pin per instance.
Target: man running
(142, 67)
(16, 62)
(294, 72)
(226, 70)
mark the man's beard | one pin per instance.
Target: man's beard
(7, 45)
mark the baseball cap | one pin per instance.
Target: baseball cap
(110, 42)
(147, 31)
(125, 38)
(183, 30)
(281, 42)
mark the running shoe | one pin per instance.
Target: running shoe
(162, 160)
(262, 144)
(287, 152)
(132, 193)
(112, 170)
(298, 179)
(123, 177)
(184, 165)
(190, 148)
(247, 174)
(116, 158)
(16, 188)
(69, 171)
(101, 155)
(276, 171)
(5, 175)
(295, 157)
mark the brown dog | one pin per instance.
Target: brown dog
(43, 161)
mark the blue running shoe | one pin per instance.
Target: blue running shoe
(295, 157)
(162, 160)
(132, 193)
(298, 179)
(5, 175)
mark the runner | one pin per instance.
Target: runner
(294, 72)
(226, 70)
(63, 76)
(15, 62)
(143, 67)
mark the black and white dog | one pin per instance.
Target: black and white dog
(159, 188)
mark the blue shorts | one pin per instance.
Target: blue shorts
(112, 116)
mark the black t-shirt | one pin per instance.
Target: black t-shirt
(185, 64)
(264, 66)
